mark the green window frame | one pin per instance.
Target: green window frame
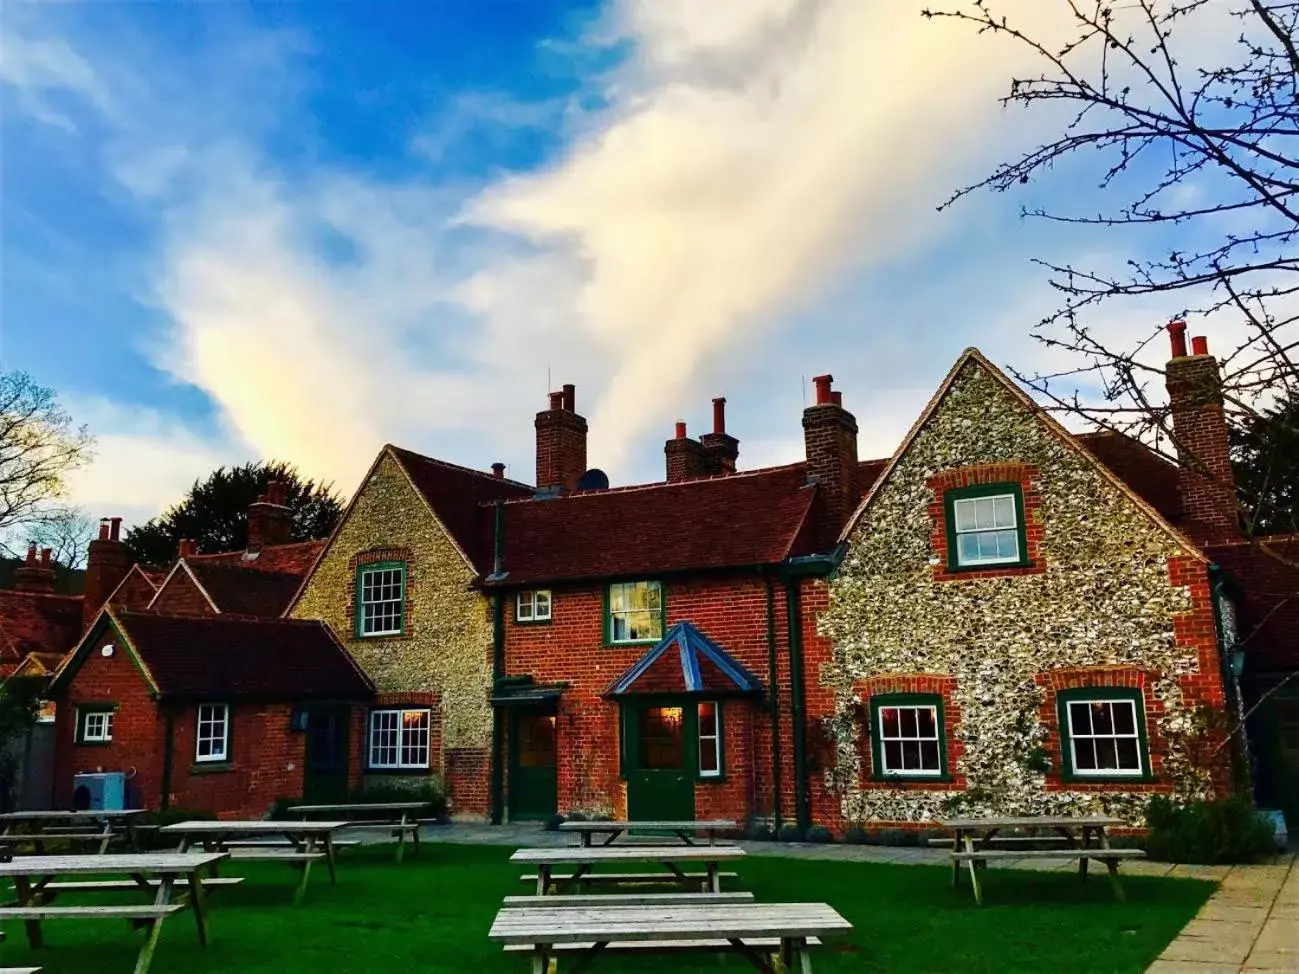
(1104, 735)
(618, 601)
(94, 725)
(909, 739)
(693, 734)
(997, 532)
(534, 607)
(378, 595)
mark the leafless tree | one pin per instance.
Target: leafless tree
(39, 447)
(67, 532)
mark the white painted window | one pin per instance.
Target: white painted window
(1104, 739)
(382, 601)
(97, 726)
(399, 738)
(909, 740)
(710, 739)
(635, 612)
(212, 740)
(987, 530)
(533, 606)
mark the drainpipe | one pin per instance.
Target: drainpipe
(498, 671)
(773, 682)
(794, 612)
(168, 747)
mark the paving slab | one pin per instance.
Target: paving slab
(1215, 873)
(1279, 936)
(1271, 962)
(1208, 950)
(1162, 966)
(1241, 930)
(1241, 914)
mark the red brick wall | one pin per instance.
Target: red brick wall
(181, 596)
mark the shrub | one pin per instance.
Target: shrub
(429, 790)
(1210, 832)
(790, 833)
(819, 833)
(759, 830)
(553, 822)
(856, 835)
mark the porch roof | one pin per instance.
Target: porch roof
(686, 661)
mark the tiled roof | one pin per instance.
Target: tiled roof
(239, 591)
(753, 518)
(456, 495)
(685, 661)
(1268, 623)
(214, 657)
(137, 589)
(31, 622)
(295, 559)
(1154, 479)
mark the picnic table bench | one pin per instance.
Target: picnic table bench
(1083, 838)
(305, 843)
(102, 827)
(754, 931)
(583, 859)
(152, 873)
(683, 830)
(404, 824)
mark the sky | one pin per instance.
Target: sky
(299, 231)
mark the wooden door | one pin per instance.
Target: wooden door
(659, 760)
(324, 769)
(533, 786)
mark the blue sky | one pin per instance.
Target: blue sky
(301, 230)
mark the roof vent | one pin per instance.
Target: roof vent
(593, 479)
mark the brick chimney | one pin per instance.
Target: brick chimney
(33, 575)
(270, 519)
(1195, 402)
(686, 458)
(830, 440)
(722, 448)
(107, 563)
(561, 442)
(498, 471)
(186, 548)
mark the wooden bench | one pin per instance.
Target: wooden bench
(116, 885)
(288, 854)
(632, 879)
(276, 844)
(1005, 840)
(756, 944)
(51, 912)
(628, 899)
(20, 970)
(1111, 858)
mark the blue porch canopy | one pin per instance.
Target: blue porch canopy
(686, 661)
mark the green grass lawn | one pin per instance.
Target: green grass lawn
(432, 914)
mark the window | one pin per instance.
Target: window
(908, 736)
(532, 606)
(1103, 733)
(381, 599)
(985, 526)
(399, 739)
(710, 739)
(635, 612)
(96, 726)
(213, 737)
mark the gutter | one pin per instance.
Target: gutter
(497, 784)
(774, 702)
(794, 617)
(168, 748)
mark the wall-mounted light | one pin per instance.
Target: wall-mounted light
(106, 650)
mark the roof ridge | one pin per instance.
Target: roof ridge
(222, 618)
(41, 595)
(244, 551)
(657, 484)
(484, 474)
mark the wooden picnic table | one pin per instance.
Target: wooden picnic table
(405, 824)
(154, 873)
(753, 931)
(1081, 837)
(683, 830)
(584, 858)
(35, 826)
(306, 841)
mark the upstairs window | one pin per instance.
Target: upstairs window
(212, 740)
(635, 612)
(96, 726)
(381, 599)
(908, 736)
(532, 606)
(985, 526)
(1103, 733)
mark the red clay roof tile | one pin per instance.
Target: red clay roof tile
(296, 558)
(32, 622)
(1268, 623)
(239, 591)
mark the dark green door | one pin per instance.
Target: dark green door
(660, 762)
(533, 788)
(324, 770)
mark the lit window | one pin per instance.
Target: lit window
(212, 739)
(533, 606)
(381, 599)
(97, 726)
(635, 612)
(399, 738)
(710, 739)
(909, 739)
(1104, 736)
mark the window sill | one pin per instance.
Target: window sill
(633, 643)
(92, 743)
(408, 772)
(992, 566)
(533, 622)
(1108, 779)
(212, 767)
(912, 779)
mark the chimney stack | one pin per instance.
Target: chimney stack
(561, 442)
(686, 458)
(498, 471)
(830, 441)
(33, 575)
(107, 562)
(270, 519)
(722, 449)
(186, 548)
(1195, 402)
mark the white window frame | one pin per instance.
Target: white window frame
(379, 721)
(1135, 736)
(710, 742)
(105, 735)
(884, 769)
(1013, 527)
(655, 612)
(363, 605)
(217, 715)
(532, 601)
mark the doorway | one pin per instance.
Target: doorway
(534, 784)
(659, 759)
(324, 768)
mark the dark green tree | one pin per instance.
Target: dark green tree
(19, 703)
(1265, 454)
(214, 513)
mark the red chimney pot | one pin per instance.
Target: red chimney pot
(103, 529)
(498, 471)
(1177, 336)
(556, 400)
(1199, 345)
(681, 430)
(822, 383)
(114, 528)
(186, 548)
(31, 553)
(836, 397)
(570, 397)
(46, 555)
(719, 414)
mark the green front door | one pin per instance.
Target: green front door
(324, 768)
(533, 786)
(659, 760)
